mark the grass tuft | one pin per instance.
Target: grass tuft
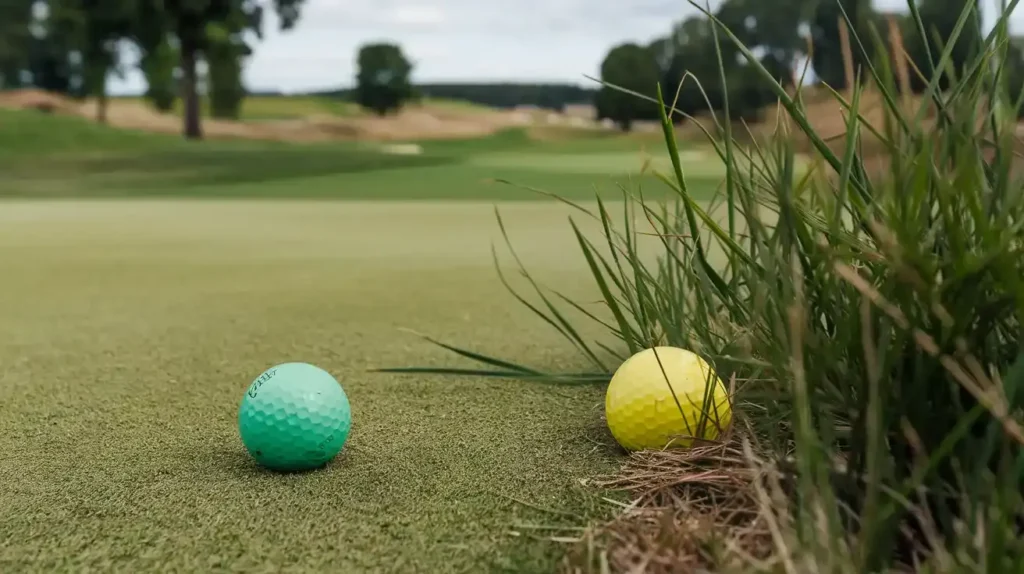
(874, 317)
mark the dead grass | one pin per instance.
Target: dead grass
(690, 510)
(426, 121)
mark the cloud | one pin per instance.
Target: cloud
(418, 15)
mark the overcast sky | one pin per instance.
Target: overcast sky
(464, 40)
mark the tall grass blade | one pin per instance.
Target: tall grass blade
(613, 306)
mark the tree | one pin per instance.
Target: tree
(691, 65)
(663, 50)
(772, 28)
(96, 27)
(632, 67)
(15, 41)
(189, 22)
(510, 95)
(693, 56)
(939, 18)
(748, 93)
(224, 59)
(54, 56)
(827, 58)
(382, 78)
(159, 64)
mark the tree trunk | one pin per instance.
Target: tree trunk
(193, 128)
(102, 100)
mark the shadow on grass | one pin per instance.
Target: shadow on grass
(236, 462)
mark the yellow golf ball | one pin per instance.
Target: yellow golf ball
(640, 407)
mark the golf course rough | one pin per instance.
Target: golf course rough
(656, 397)
(293, 417)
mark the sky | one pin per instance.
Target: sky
(464, 40)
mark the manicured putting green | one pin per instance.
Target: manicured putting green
(131, 330)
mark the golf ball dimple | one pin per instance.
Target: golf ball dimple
(644, 412)
(294, 416)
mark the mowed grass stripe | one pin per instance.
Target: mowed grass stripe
(131, 328)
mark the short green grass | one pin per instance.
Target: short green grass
(51, 156)
(131, 329)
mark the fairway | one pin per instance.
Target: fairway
(131, 330)
(77, 159)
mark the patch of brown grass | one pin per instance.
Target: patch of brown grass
(426, 121)
(691, 510)
(31, 99)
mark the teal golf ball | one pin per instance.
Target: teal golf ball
(294, 416)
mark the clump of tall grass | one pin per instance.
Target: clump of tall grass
(873, 318)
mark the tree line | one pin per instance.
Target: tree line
(189, 47)
(509, 95)
(781, 33)
(503, 95)
(73, 46)
(196, 48)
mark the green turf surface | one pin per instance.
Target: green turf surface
(58, 157)
(25, 134)
(131, 329)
